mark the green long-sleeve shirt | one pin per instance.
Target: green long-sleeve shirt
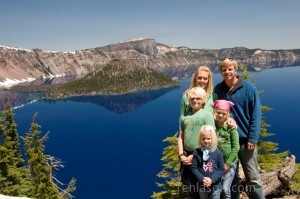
(228, 143)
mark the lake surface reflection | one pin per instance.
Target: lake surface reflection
(120, 103)
(112, 145)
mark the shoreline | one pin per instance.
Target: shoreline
(113, 94)
(7, 83)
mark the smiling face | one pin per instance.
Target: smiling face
(197, 97)
(202, 79)
(228, 72)
(206, 138)
(196, 103)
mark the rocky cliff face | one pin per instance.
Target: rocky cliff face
(21, 64)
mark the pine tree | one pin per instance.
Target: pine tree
(56, 164)
(3, 156)
(40, 171)
(66, 194)
(172, 188)
(15, 178)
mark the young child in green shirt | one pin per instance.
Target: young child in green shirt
(228, 143)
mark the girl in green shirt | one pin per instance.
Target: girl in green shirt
(228, 142)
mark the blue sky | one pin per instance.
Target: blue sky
(68, 25)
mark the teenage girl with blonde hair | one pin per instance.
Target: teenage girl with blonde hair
(202, 77)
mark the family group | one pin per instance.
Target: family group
(219, 129)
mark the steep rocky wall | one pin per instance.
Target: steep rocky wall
(21, 64)
(267, 59)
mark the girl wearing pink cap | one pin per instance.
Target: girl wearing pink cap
(228, 142)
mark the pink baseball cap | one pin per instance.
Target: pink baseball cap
(222, 105)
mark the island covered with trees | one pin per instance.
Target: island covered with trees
(116, 77)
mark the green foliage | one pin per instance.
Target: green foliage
(14, 176)
(66, 194)
(172, 188)
(295, 183)
(35, 180)
(244, 71)
(116, 77)
(40, 170)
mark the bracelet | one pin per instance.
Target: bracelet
(181, 154)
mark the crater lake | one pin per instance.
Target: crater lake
(112, 145)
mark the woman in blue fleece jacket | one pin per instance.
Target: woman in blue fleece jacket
(208, 164)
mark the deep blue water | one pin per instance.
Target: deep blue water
(112, 145)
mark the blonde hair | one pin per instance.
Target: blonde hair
(198, 92)
(228, 61)
(209, 87)
(214, 138)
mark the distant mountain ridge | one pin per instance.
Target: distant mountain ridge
(22, 64)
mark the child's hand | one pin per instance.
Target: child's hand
(231, 123)
(226, 168)
(207, 181)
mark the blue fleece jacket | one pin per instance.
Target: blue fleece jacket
(247, 109)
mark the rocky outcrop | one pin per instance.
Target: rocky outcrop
(21, 64)
(143, 46)
(280, 58)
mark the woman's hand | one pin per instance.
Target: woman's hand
(186, 160)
